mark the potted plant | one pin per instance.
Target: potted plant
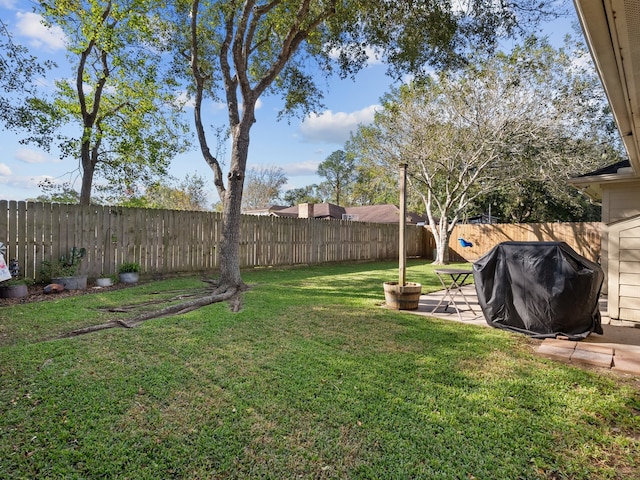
(104, 281)
(402, 295)
(107, 280)
(129, 272)
(64, 271)
(15, 287)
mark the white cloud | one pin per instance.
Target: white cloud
(27, 155)
(374, 57)
(22, 182)
(30, 25)
(217, 106)
(581, 61)
(5, 171)
(183, 98)
(258, 104)
(330, 127)
(294, 169)
(308, 167)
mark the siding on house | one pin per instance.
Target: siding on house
(624, 268)
(620, 200)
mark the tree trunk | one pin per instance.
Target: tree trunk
(441, 233)
(442, 249)
(87, 173)
(232, 206)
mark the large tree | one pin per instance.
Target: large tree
(18, 70)
(535, 200)
(338, 170)
(505, 120)
(243, 49)
(263, 187)
(122, 106)
(169, 193)
(308, 194)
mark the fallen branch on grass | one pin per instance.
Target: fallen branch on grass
(218, 295)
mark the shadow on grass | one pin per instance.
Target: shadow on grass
(303, 383)
(353, 282)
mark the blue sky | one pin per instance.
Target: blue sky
(295, 145)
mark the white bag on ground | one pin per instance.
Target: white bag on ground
(5, 274)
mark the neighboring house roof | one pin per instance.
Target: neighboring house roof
(328, 210)
(375, 213)
(612, 32)
(369, 213)
(382, 214)
(591, 183)
(608, 170)
(320, 210)
(268, 210)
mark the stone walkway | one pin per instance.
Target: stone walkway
(617, 349)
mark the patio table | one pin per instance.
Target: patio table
(453, 279)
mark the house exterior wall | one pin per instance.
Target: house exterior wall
(624, 269)
(620, 200)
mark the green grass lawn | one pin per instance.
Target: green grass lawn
(311, 379)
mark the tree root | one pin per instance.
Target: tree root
(128, 308)
(220, 294)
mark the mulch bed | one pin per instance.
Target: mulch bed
(36, 294)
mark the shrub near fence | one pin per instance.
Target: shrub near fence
(171, 241)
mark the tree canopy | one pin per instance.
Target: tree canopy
(241, 50)
(338, 170)
(171, 193)
(18, 70)
(502, 121)
(263, 187)
(307, 194)
(119, 101)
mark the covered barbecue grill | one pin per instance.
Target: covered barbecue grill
(542, 289)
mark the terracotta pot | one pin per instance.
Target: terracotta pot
(402, 297)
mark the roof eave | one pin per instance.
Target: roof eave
(592, 185)
(604, 23)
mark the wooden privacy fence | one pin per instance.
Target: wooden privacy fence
(584, 237)
(170, 241)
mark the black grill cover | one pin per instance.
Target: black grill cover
(542, 289)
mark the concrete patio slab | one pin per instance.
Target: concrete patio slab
(626, 362)
(554, 342)
(595, 348)
(561, 354)
(618, 348)
(588, 357)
